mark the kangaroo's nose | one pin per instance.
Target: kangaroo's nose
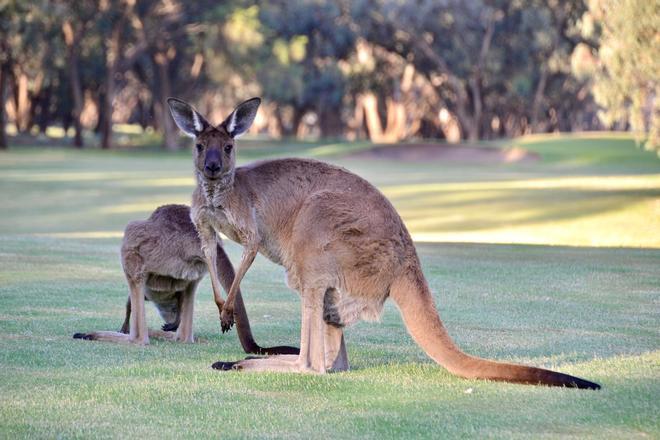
(212, 167)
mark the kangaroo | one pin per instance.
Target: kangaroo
(343, 246)
(163, 263)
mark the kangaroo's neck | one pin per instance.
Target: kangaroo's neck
(216, 192)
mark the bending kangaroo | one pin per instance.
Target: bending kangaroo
(344, 247)
(163, 263)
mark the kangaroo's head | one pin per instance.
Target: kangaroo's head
(214, 153)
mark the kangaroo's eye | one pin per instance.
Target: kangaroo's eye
(228, 148)
(200, 147)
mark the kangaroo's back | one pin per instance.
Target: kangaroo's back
(309, 200)
(166, 243)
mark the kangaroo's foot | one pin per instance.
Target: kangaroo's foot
(110, 336)
(281, 363)
(280, 349)
(223, 366)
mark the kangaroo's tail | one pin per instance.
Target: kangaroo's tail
(245, 333)
(413, 297)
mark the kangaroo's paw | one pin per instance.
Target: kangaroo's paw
(226, 319)
(85, 336)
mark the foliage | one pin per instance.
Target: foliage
(383, 70)
(627, 81)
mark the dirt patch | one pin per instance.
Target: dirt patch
(448, 153)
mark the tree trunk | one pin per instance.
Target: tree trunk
(289, 129)
(3, 83)
(99, 100)
(356, 128)
(330, 122)
(284, 130)
(475, 124)
(44, 109)
(474, 129)
(71, 38)
(296, 120)
(143, 117)
(395, 119)
(371, 117)
(106, 122)
(36, 98)
(395, 129)
(170, 134)
(21, 102)
(538, 99)
(113, 47)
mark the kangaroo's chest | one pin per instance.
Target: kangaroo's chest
(223, 222)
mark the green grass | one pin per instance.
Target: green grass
(590, 308)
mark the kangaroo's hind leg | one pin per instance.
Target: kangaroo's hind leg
(312, 347)
(336, 357)
(185, 331)
(125, 327)
(138, 333)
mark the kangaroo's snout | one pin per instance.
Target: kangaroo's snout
(212, 168)
(212, 164)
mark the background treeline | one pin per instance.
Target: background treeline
(382, 70)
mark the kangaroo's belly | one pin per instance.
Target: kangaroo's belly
(343, 309)
(165, 293)
(162, 287)
(270, 248)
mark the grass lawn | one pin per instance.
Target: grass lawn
(553, 263)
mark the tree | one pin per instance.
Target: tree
(17, 40)
(496, 66)
(76, 18)
(384, 69)
(3, 85)
(627, 79)
(307, 41)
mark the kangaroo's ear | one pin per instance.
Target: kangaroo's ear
(240, 120)
(187, 119)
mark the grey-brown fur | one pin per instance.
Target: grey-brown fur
(343, 246)
(162, 255)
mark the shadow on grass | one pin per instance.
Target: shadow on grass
(465, 210)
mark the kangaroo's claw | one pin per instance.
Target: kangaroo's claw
(226, 320)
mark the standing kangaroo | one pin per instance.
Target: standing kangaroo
(344, 247)
(163, 263)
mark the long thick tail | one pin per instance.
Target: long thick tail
(413, 297)
(245, 333)
(226, 274)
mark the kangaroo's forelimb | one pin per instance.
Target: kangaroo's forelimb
(209, 243)
(227, 278)
(227, 314)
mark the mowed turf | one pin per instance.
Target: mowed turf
(583, 309)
